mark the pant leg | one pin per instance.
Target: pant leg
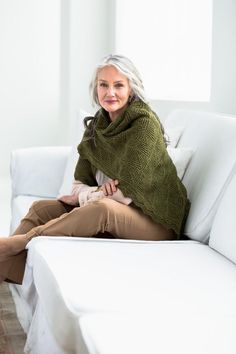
(39, 213)
(102, 216)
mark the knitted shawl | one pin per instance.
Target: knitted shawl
(132, 150)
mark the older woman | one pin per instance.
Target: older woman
(126, 185)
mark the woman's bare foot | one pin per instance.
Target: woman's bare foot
(9, 246)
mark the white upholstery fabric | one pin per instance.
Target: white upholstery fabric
(94, 285)
(68, 177)
(223, 232)
(87, 276)
(38, 171)
(116, 334)
(173, 135)
(212, 137)
(44, 342)
(180, 158)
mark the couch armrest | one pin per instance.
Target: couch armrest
(38, 171)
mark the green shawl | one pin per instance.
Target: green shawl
(132, 150)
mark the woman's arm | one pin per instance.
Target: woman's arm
(111, 191)
(82, 194)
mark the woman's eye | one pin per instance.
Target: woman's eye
(119, 85)
(102, 84)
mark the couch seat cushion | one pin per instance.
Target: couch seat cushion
(75, 276)
(198, 334)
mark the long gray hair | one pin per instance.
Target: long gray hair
(127, 68)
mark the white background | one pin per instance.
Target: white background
(48, 50)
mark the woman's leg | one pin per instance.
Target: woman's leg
(12, 266)
(103, 216)
(40, 213)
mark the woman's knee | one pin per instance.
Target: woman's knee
(52, 208)
(102, 210)
(41, 204)
(105, 205)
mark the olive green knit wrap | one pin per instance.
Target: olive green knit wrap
(132, 150)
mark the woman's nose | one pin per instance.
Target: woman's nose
(110, 91)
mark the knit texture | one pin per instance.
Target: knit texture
(132, 150)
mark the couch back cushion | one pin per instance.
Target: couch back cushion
(223, 232)
(212, 137)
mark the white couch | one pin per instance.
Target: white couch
(102, 296)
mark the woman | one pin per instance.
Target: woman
(126, 185)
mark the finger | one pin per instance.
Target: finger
(113, 186)
(103, 188)
(109, 188)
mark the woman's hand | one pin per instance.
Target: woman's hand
(109, 187)
(71, 199)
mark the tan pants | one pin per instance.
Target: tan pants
(103, 218)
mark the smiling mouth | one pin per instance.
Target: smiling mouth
(110, 101)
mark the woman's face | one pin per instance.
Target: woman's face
(113, 91)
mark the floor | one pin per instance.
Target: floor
(5, 206)
(12, 337)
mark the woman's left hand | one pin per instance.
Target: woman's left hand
(109, 187)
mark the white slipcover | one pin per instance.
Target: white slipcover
(223, 232)
(77, 277)
(77, 290)
(212, 137)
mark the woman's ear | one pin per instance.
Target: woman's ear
(131, 95)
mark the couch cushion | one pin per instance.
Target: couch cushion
(38, 170)
(212, 137)
(223, 230)
(198, 334)
(162, 278)
(180, 157)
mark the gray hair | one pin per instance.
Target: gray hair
(127, 68)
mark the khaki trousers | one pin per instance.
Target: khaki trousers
(103, 218)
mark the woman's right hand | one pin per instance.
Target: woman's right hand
(109, 187)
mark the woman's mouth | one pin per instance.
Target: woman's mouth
(110, 101)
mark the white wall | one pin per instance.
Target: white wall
(45, 72)
(223, 96)
(48, 51)
(29, 72)
(89, 38)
